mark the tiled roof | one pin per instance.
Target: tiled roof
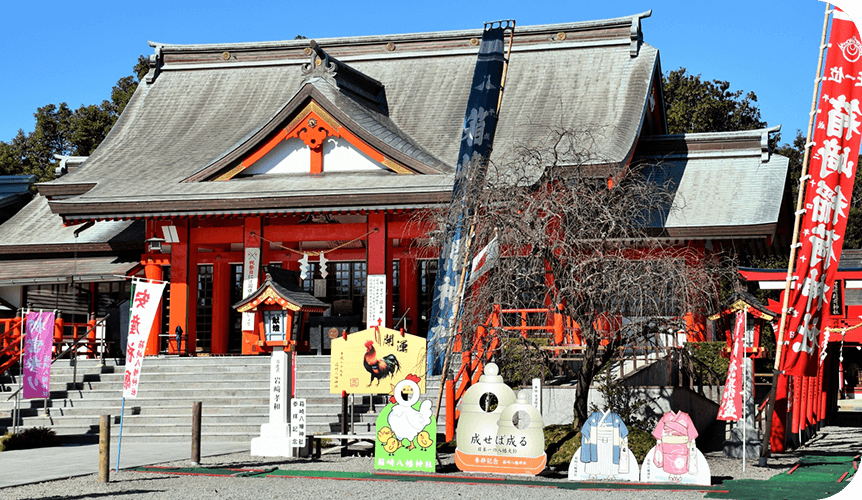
(34, 226)
(208, 100)
(60, 270)
(722, 182)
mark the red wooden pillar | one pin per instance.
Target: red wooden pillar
(152, 271)
(221, 306)
(179, 282)
(380, 257)
(826, 388)
(779, 417)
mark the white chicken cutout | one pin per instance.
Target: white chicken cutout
(405, 421)
(406, 431)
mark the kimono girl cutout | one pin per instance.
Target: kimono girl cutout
(675, 433)
(675, 458)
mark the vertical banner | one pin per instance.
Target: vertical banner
(829, 186)
(480, 123)
(250, 266)
(375, 301)
(731, 400)
(142, 312)
(37, 354)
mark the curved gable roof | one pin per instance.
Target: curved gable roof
(207, 100)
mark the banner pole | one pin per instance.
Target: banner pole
(744, 383)
(779, 341)
(120, 437)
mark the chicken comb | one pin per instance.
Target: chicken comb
(413, 378)
(369, 343)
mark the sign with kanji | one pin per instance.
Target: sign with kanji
(375, 301)
(374, 360)
(731, 400)
(251, 266)
(406, 431)
(38, 340)
(828, 188)
(298, 419)
(142, 312)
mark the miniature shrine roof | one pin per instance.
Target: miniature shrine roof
(403, 95)
(281, 287)
(741, 299)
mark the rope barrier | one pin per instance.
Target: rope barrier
(319, 252)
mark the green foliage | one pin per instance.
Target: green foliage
(521, 361)
(624, 401)
(709, 361)
(60, 130)
(695, 105)
(640, 442)
(34, 437)
(562, 441)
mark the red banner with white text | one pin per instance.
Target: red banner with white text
(731, 400)
(828, 188)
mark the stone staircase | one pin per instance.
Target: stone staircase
(234, 391)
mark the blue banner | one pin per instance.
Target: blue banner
(480, 123)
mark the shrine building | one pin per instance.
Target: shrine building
(230, 157)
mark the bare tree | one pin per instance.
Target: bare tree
(583, 236)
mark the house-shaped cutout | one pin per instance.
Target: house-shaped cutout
(336, 122)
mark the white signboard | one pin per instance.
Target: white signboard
(537, 394)
(297, 423)
(375, 305)
(251, 265)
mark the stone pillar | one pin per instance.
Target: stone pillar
(274, 440)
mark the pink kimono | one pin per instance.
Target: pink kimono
(675, 433)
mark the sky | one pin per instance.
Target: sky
(74, 52)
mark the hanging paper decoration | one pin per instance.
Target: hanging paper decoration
(604, 453)
(323, 271)
(303, 267)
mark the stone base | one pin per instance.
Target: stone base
(753, 444)
(274, 441)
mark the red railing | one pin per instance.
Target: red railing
(559, 328)
(65, 334)
(10, 343)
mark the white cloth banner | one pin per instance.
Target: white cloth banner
(484, 260)
(142, 312)
(251, 265)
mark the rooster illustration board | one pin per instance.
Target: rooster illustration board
(379, 368)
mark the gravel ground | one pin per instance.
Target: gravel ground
(136, 485)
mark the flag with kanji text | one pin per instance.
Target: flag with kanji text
(828, 188)
(38, 344)
(731, 399)
(142, 312)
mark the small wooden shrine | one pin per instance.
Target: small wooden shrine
(279, 298)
